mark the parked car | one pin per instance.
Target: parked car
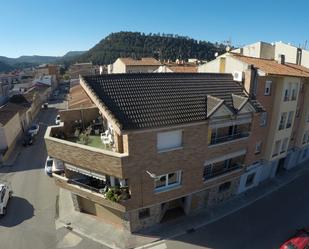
(34, 129)
(58, 167)
(45, 106)
(299, 241)
(5, 195)
(49, 165)
(57, 120)
(28, 139)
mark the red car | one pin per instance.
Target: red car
(299, 241)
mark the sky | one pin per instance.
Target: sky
(54, 27)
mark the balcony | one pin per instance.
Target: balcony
(86, 155)
(93, 193)
(228, 133)
(215, 173)
(223, 139)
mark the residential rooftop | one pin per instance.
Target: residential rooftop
(153, 100)
(8, 111)
(79, 98)
(141, 62)
(272, 67)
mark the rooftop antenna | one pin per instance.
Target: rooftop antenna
(228, 44)
(305, 45)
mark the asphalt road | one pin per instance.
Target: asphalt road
(30, 219)
(265, 224)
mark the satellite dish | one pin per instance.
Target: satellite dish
(152, 175)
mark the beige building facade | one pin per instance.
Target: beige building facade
(129, 65)
(280, 87)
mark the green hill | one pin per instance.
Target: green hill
(4, 67)
(160, 46)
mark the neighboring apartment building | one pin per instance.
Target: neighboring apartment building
(47, 69)
(170, 143)
(4, 91)
(78, 69)
(266, 50)
(184, 67)
(10, 128)
(282, 89)
(129, 65)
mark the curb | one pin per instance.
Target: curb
(80, 232)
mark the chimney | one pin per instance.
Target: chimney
(298, 56)
(281, 59)
(250, 82)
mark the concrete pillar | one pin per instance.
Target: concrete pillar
(75, 202)
(112, 178)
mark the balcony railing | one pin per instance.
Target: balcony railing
(115, 194)
(224, 139)
(215, 173)
(84, 185)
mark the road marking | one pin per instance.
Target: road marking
(160, 246)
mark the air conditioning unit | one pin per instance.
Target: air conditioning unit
(238, 76)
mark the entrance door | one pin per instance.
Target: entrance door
(280, 167)
(173, 209)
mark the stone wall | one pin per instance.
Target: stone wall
(216, 197)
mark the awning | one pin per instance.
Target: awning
(85, 172)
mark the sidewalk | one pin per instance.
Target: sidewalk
(89, 226)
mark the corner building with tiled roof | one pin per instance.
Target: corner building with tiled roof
(155, 146)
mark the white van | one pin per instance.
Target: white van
(58, 166)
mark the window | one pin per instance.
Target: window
(305, 138)
(284, 145)
(169, 140)
(144, 213)
(287, 92)
(294, 94)
(250, 179)
(290, 119)
(282, 121)
(263, 119)
(168, 181)
(258, 146)
(208, 170)
(224, 187)
(267, 87)
(276, 148)
(286, 95)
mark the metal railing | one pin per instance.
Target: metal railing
(86, 186)
(223, 139)
(215, 173)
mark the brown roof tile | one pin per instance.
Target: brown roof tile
(272, 67)
(153, 100)
(79, 98)
(184, 69)
(141, 62)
